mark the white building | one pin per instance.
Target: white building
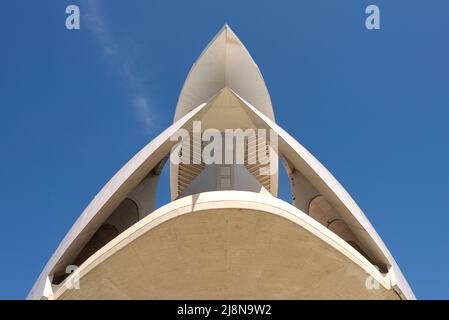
(224, 235)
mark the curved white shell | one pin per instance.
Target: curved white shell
(224, 63)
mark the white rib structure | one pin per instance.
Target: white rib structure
(212, 241)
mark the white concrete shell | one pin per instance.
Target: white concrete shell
(224, 63)
(104, 203)
(326, 184)
(213, 259)
(227, 245)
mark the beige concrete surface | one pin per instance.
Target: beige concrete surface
(227, 245)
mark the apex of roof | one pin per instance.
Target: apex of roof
(225, 62)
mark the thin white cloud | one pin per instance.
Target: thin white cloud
(118, 57)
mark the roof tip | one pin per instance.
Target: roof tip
(226, 27)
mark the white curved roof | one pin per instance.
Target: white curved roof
(127, 178)
(224, 63)
(264, 231)
(219, 71)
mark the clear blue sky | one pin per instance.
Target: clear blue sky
(372, 106)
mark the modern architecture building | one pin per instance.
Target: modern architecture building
(225, 234)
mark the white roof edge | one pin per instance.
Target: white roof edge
(214, 200)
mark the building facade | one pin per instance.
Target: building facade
(225, 234)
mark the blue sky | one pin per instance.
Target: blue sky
(372, 106)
